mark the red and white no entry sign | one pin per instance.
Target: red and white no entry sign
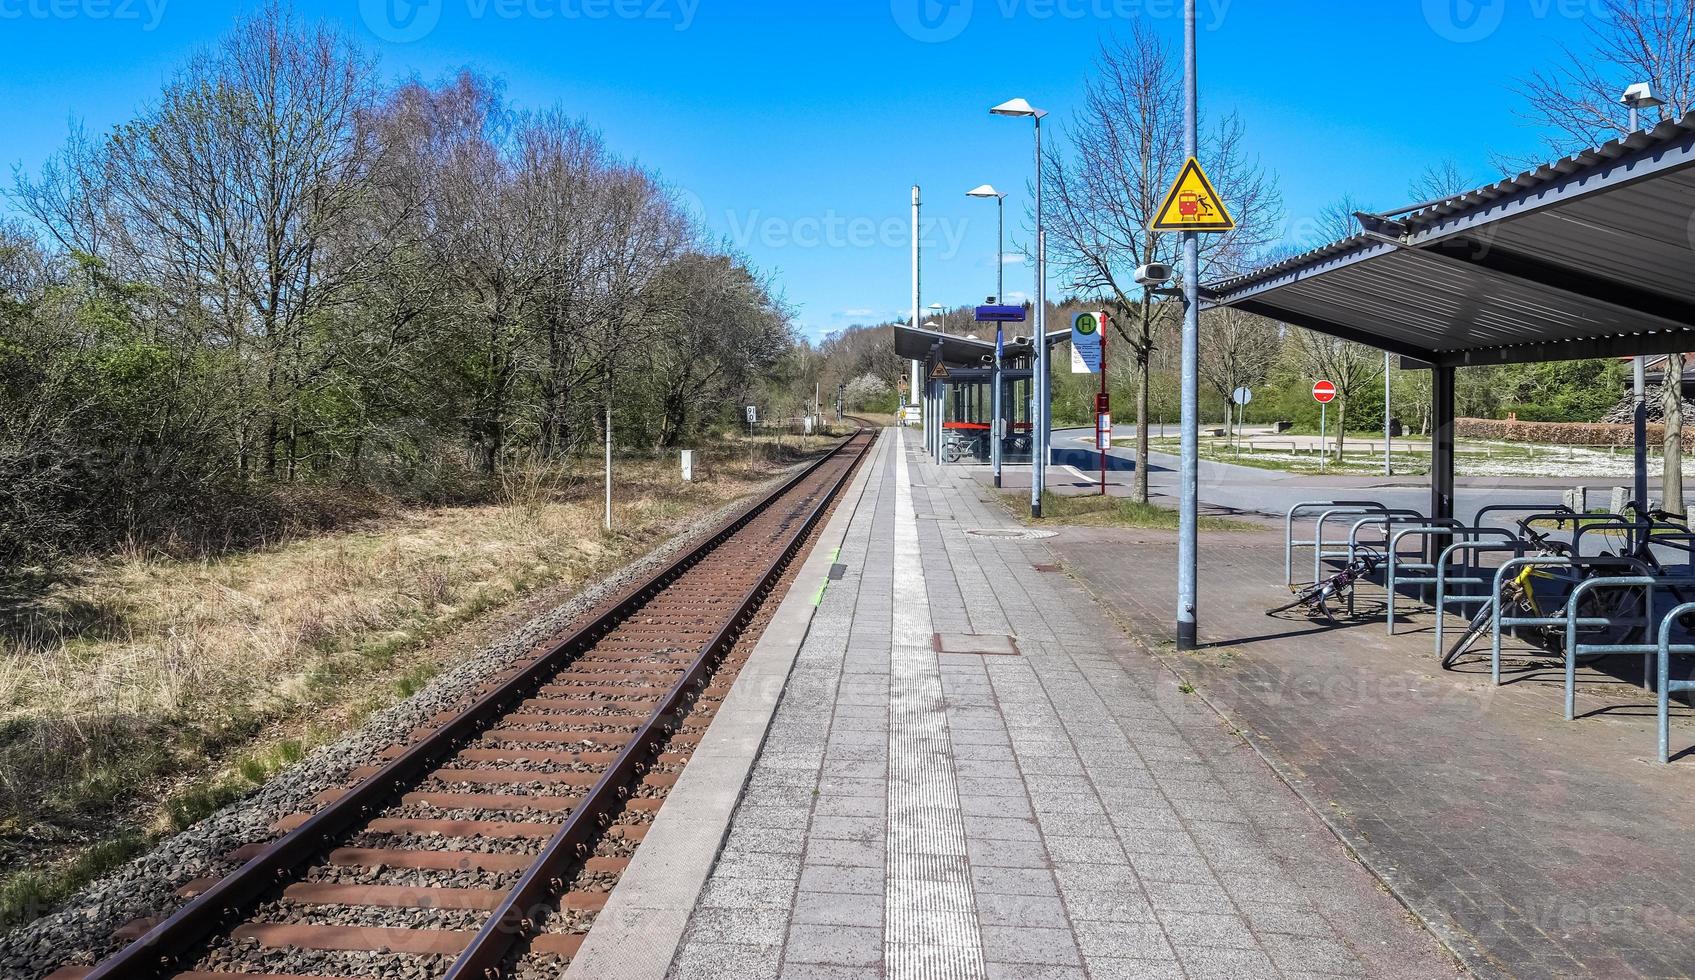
(1323, 392)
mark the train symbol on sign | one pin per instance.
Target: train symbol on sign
(1192, 204)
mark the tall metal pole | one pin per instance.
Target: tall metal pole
(1639, 417)
(1039, 463)
(920, 395)
(1100, 409)
(995, 435)
(1000, 248)
(1188, 512)
(1388, 467)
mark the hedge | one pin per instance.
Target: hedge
(1563, 433)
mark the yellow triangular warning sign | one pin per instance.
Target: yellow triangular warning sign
(939, 371)
(1192, 204)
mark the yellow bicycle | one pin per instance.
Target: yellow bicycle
(1519, 598)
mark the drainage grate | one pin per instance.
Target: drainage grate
(1046, 567)
(981, 644)
(1011, 533)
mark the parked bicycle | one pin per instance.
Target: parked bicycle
(958, 446)
(1522, 598)
(1317, 597)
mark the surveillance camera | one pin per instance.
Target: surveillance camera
(1154, 274)
(1020, 341)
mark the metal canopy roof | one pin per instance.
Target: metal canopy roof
(1588, 256)
(916, 345)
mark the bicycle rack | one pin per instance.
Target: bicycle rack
(1663, 684)
(1497, 621)
(1560, 516)
(1536, 511)
(1574, 649)
(1443, 580)
(1393, 577)
(1331, 509)
(1388, 519)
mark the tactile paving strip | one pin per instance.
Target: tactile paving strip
(930, 910)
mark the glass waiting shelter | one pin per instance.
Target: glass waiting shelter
(963, 419)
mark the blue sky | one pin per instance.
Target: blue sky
(797, 129)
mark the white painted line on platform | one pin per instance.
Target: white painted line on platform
(930, 912)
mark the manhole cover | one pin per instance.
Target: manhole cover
(1011, 533)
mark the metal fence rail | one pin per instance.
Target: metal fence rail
(1497, 621)
(1663, 683)
(1329, 508)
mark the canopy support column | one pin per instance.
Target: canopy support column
(1441, 447)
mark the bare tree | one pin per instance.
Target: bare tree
(1577, 102)
(1123, 148)
(1239, 351)
(68, 197)
(1350, 366)
(1671, 395)
(232, 192)
(1577, 99)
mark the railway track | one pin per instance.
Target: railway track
(483, 846)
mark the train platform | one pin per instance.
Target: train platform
(970, 771)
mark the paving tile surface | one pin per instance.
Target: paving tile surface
(1533, 846)
(1063, 811)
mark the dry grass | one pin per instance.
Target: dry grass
(140, 693)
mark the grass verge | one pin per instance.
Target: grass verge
(1097, 511)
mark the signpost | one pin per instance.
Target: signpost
(1191, 207)
(1240, 398)
(1324, 393)
(1088, 355)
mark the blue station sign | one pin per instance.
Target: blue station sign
(1000, 314)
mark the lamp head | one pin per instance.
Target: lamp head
(1017, 107)
(984, 190)
(1640, 96)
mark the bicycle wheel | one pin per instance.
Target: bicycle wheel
(1479, 622)
(1613, 605)
(1305, 597)
(950, 453)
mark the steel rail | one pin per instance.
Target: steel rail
(544, 881)
(159, 952)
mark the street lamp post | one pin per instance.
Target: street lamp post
(995, 437)
(1636, 98)
(1039, 417)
